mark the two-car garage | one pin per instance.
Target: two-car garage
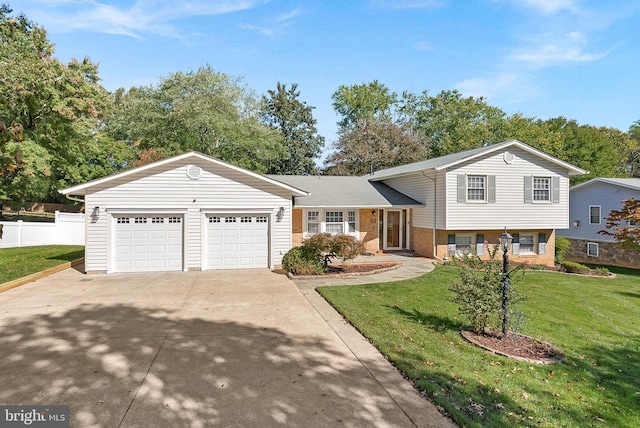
(189, 212)
(147, 243)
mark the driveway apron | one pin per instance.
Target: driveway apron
(237, 348)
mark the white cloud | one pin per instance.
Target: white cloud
(265, 31)
(510, 87)
(422, 46)
(565, 49)
(550, 6)
(143, 17)
(407, 4)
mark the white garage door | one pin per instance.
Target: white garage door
(237, 242)
(148, 243)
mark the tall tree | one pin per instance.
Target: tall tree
(452, 123)
(634, 157)
(371, 100)
(205, 111)
(59, 105)
(374, 144)
(282, 110)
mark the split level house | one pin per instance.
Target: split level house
(590, 204)
(194, 212)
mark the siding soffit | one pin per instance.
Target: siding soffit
(81, 189)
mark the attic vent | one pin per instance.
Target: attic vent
(509, 157)
(194, 172)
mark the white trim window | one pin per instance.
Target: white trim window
(313, 222)
(334, 222)
(351, 222)
(593, 249)
(463, 244)
(476, 188)
(594, 214)
(527, 244)
(541, 189)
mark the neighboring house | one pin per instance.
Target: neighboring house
(193, 212)
(590, 204)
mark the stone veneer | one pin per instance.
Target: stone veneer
(609, 254)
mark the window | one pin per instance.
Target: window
(593, 249)
(245, 219)
(594, 214)
(214, 219)
(541, 189)
(122, 220)
(351, 219)
(261, 219)
(334, 222)
(476, 187)
(157, 220)
(313, 222)
(526, 244)
(175, 219)
(141, 220)
(463, 244)
(229, 219)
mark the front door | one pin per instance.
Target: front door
(393, 230)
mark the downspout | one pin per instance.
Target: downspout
(73, 198)
(435, 202)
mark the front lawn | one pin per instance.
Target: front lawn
(595, 321)
(18, 262)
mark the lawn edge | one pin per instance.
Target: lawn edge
(35, 276)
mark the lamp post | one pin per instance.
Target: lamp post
(505, 243)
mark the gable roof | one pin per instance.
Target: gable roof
(629, 183)
(80, 189)
(344, 191)
(453, 159)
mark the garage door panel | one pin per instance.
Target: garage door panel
(148, 243)
(237, 242)
(141, 234)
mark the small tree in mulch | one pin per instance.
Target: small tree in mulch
(478, 290)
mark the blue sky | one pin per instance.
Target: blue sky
(542, 58)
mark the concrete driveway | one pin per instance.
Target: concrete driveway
(195, 349)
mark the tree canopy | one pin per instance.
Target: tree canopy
(60, 108)
(368, 101)
(202, 110)
(293, 119)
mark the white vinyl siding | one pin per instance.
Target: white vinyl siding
(167, 188)
(510, 208)
(421, 188)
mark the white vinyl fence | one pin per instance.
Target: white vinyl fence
(68, 229)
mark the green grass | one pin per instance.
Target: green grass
(18, 262)
(595, 321)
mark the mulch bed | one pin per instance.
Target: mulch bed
(516, 346)
(359, 267)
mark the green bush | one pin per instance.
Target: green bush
(302, 261)
(478, 293)
(573, 267)
(562, 246)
